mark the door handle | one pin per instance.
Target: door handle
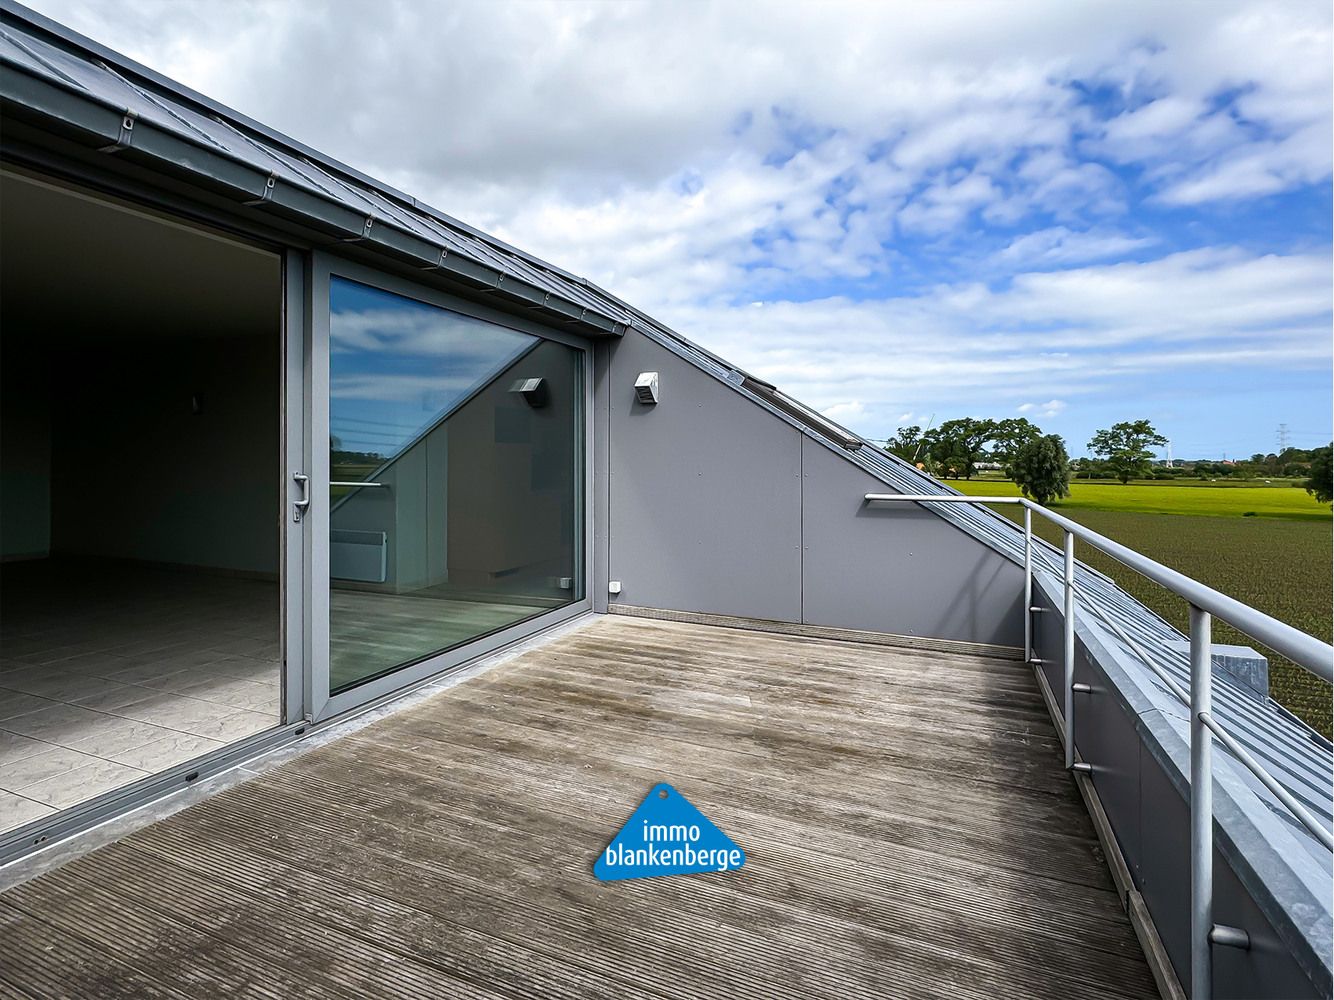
(299, 507)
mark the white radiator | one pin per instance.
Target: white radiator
(359, 555)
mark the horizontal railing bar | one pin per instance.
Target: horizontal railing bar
(367, 486)
(1242, 755)
(1305, 650)
(945, 498)
(1257, 769)
(1121, 634)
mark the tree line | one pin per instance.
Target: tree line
(1039, 465)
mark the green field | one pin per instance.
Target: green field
(1278, 562)
(1181, 497)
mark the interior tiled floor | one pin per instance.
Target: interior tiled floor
(110, 671)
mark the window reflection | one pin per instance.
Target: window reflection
(455, 458)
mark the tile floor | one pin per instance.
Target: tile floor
(111, 671)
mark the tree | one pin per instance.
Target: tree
(1125, 447)
(1088, 468)
(1319, 485)
(957, 445)
(1042, 469)
(1008, 436)
(907, 444)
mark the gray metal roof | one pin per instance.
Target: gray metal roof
(106, 101)
(120, 106)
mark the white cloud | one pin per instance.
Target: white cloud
(1049, 336)
(849, 412)
(1060, 246)
(592, 100)
(770, 154)
(1050, 408)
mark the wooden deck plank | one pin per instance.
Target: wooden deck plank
(908, 827)
(84, 971)
(910, 791)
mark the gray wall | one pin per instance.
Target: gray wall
(898, 568)
(716, 505)
(137, 475)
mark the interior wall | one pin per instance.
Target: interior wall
(25, 449)
(137, 474)
(114, 319)
(716, 505)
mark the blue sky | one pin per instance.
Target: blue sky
(1081, 213)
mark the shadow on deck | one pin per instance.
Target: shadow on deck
(908, 828)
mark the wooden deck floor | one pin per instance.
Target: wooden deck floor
(909, 832)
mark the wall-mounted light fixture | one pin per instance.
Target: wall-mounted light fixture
(646, 388)
(533, 391)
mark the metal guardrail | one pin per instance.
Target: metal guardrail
(1205, 602)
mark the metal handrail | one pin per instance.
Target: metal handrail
(1237, 750)
(1305, 650)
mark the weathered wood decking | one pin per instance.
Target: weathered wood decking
(908, 828)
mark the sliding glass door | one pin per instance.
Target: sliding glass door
(455, 484)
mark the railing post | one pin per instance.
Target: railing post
(1069, 662)
(1028, 585)
(1201, 805)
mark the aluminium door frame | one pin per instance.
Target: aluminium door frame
(295, 459)
(294, 569)
(321, 703)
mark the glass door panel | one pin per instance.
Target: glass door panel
(455, 460)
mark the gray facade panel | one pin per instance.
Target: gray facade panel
(898, 568)
(705, 493)
(717, 505)
(1106, 732)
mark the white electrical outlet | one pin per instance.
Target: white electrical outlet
(614, 587)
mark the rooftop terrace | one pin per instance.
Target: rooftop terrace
(900, 842)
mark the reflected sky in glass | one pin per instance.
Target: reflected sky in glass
(398, 366)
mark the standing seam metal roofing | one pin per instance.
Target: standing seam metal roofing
(42, 50)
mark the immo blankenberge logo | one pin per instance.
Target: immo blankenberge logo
(667, 836)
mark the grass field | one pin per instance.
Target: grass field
(1181, 497)
(1279, 562)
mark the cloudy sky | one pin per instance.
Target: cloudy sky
(1081, 213)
